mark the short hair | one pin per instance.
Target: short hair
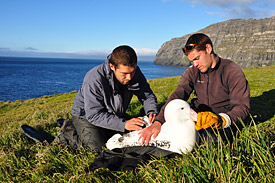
(200, 40)
(123, 55)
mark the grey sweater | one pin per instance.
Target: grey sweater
(103, 101)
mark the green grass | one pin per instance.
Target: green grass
(249, 159)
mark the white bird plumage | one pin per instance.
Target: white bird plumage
(178, 133)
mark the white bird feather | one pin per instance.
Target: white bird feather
(178, 133)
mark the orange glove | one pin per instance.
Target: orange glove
(209, 119)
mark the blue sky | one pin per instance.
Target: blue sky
(92, 28)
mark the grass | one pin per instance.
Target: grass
(249, 159)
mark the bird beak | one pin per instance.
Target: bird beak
(193, 115)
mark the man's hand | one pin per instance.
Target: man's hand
(147, 133)
(209, 119)
(134, 124)
(151, 117)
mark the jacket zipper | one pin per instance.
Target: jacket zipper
(207, 88)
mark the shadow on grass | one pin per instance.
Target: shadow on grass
(263, 107)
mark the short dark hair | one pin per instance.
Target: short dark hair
(123, 55)
(200, 40)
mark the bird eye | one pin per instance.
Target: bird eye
(182, 108)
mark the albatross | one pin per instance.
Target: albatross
(178, 133)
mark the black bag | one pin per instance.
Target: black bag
(128, 158)
(68, 135)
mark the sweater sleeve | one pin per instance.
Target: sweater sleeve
(239, 94)
(183, 92)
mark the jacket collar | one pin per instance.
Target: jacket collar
(109, 73)
(218, 63)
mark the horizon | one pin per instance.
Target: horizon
(61, 58)
(92, 29)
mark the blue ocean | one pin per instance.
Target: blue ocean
(25, 78)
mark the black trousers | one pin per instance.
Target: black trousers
(212, 136)
(89, 135)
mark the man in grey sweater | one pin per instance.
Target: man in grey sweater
(99, 109)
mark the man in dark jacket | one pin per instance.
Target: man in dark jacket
(99, 109)
(221, 89)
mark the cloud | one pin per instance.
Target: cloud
(236, 12)
(31, 49)
(223, 3)
(146, 51)
(4, 49)
(90, 52)
(32, 52)
(239, 8)
(142, 53)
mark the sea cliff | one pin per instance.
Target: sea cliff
(248, 42)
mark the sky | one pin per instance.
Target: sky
(93, 28)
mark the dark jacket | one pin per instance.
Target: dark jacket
(224, 89)
(103, 101)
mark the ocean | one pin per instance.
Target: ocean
(25, 78)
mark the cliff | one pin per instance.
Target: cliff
(250, 43)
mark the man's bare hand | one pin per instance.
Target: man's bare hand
(151, 117)
(147, 133)
(134, 124)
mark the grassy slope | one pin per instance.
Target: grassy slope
(24, 160)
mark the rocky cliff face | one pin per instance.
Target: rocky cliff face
(250, 43)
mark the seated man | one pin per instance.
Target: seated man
(99, 109)
(221, 89)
